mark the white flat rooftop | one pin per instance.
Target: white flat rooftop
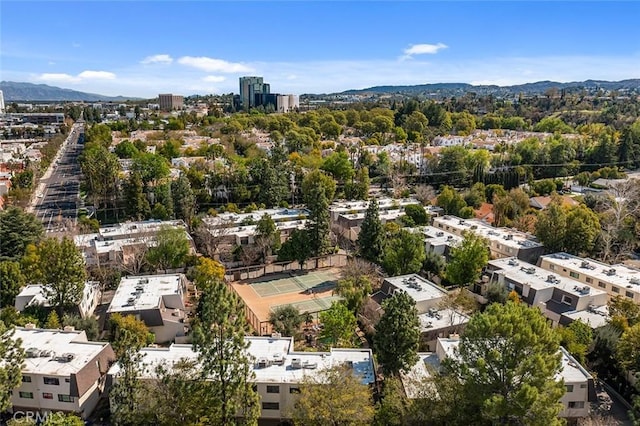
(417, 287)
(620, 275)
(361, 206)
(415, 379)
(128, 229)
(387, 215)
(249, 230)
(436, 236)
(144, 292)
(505, 236)
(539, 278)
(595, 318)
(49, 345)
(441, 318)
(278, 215)
(572, 371)
(269, 349)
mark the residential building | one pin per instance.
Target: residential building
(616, 280)
(555, 295)
(438, 241)
(278, 369)
(34, 294)
(251, 86)
(123, 243)
(503, 242)
(157, 300)
(435, 319)
(62, 371)
(579, 384)
(170, 102)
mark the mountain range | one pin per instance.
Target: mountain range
(16, 91)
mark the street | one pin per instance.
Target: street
(57, 196)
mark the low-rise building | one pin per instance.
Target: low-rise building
(616, 280)
(438, 241)
(157, 300)
(278, 368)
(62, 371)
(555, 295)
(436, 320)
(503, 242)
(579, 384)
(34, 294)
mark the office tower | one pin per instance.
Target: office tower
(249, 88)
(1, 103)
(169, 102)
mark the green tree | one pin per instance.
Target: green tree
(295, 248)
(89, 325)
(582, 231)
(18, 229)
(63, 273)
(318, 221)
(370, 240)
(11, 282)
(62, 419)
(184, 200)
(576, 338)
(218, 338)
(339, 325)
(286, 320)
(125, 149)
(507, 366)
(551, 225)
(339, 166)
(127, 332)
(53, 321)
(397, 334)
(354, 290)
(628, 349)
(335, 396)
(450, 201)
(152, 167)
(359, 188)
(11, 361)
(171, 249)
(267, 236)
(467, 260)
(137, 206)
(404, 253)
(100, 169)
(417, 213)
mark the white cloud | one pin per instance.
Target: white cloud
(59, 77)
(424, 49)
(157, 59)
(214, 79)
(213, 65)
(96, 75)
(83, 76)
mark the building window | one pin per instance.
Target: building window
(569, 388)
(270, 405)
(601, 284)
(67, 380)
(552, 267)
(583, 385)
(629, 294)
(65, 398)
(26, 379)
(566, 300)
(294, 390)
(273, 389)
(576, 404)
(47, 395)
(574, 275)
(615, 289)
(588, 280)
(51, 381)
(26, 395)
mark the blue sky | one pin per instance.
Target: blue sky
(149, 47)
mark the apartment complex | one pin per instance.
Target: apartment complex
(555, 295)
(157, 300)
(503, 242)
(62, 371)
(278, 369)
(615, 280)
(435, 320)
(579, 384)
(34, 294)
(170, 102)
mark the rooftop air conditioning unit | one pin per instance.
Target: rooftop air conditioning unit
(634, 281)
(513, 262)
(439, 234)
(508, 237)
(32, 353)
(296, 363)
(310, 365)
(263, 362)
(551, 278)
(610, 272)
(584, 264)
(66, 357)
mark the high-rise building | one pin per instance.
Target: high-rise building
(169, 102)
(1, 103)
(249, 88)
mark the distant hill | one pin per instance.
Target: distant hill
(536, 88)
(15, 91)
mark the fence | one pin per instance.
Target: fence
(256, 271)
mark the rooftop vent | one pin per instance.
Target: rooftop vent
(32, 353)
(513, 262)
(508, 237)
(46, 353)
(439, 234)
(635, 281)
(584, 264)
(530, 270)
(66, 357)
(610, 272)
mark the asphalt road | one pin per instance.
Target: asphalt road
(58, 195)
